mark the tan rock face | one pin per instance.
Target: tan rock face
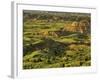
(81, 26)
(84, 26)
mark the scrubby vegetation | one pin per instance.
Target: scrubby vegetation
(56, 39)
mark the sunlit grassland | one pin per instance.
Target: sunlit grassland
(47, 45)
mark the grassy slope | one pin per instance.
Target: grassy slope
(73, 55)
